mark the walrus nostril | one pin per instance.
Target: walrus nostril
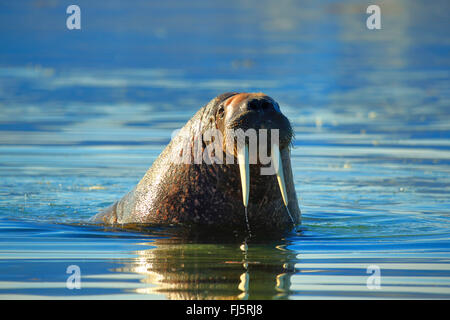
(253, 104)
(266, 105)
(259, 105)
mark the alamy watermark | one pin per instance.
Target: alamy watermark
(214, 147)
(373, 22)
(74, 280)
(74, 20)
(374, 280)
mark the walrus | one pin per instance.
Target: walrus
(208, 193)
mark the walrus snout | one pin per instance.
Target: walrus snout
(256, 111)
(261, 104)
(258, 105)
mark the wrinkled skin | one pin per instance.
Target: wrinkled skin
(209, 196)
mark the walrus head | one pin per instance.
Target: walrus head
(250, 111)
(238, 112)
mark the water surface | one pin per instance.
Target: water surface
(85, 113)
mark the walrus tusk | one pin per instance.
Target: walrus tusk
(276, 159)
(244, 169)
(278, 164)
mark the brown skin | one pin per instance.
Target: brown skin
(209, 196)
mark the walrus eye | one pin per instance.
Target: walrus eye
(221, 112)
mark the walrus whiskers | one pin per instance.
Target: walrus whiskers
(278, 164)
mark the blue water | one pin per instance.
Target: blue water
(85, 113)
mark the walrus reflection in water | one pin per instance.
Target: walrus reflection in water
(218, 196)
(185, 270)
